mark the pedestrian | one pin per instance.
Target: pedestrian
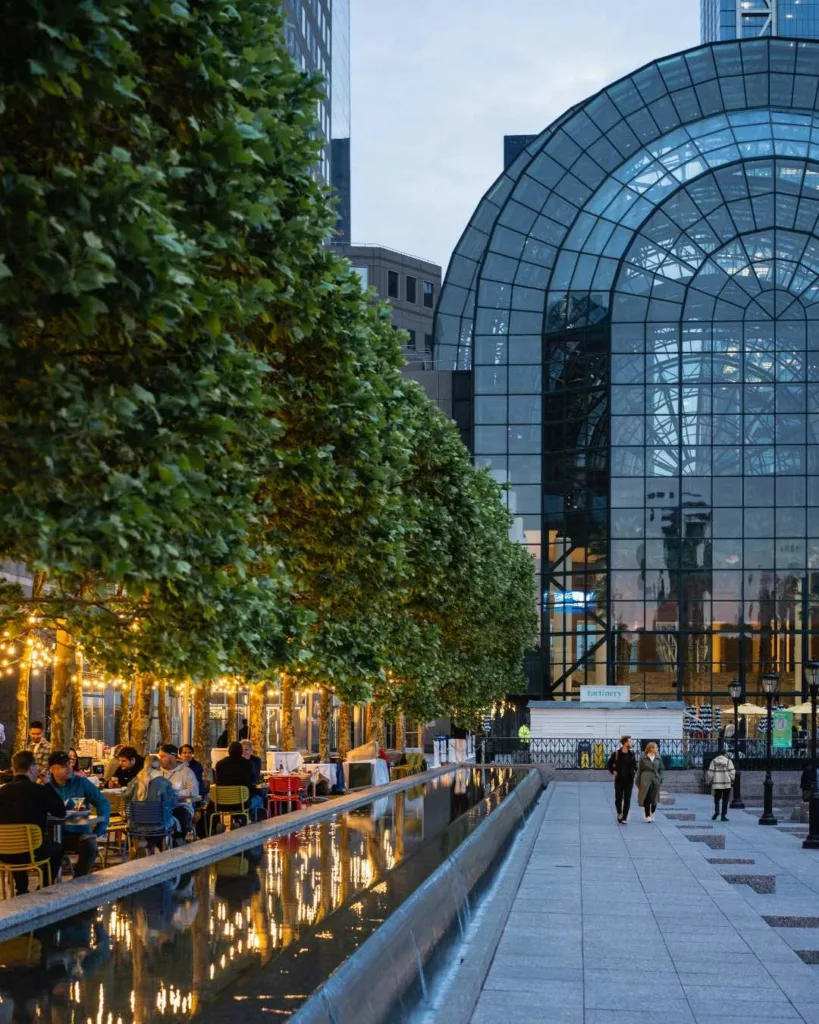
(649, 779)
(720, 777)
(623, 766)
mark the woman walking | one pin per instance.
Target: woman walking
(649, 778)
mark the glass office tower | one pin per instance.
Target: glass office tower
(637, 298)
(748, 19)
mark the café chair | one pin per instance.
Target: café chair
(145, 821)
(229, 802)
(17, 839)
(283, 789)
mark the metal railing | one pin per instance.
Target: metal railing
(677, 754)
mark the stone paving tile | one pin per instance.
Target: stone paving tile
(759, 883)
(662, 888)
(715, 842)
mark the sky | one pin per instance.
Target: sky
(436, 84)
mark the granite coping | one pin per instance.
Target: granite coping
(20, 914)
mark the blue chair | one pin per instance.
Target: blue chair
(146, 821)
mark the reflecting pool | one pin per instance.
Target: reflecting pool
(254, 933)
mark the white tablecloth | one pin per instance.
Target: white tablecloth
(285, 760)
(380, 771)
(328, 771)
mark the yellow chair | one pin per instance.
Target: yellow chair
(17, 839)
(415, 763)
(230, 801)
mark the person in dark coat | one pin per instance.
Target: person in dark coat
(237, 770)
(23, 802)
(256, 762)
(623, 766)
(129, 766)
(649, 779)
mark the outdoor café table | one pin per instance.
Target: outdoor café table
(57, 823)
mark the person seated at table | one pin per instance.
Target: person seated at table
(150, 784)
(129, 765)
(186, 753)
(78, 836)
(23, 802)
(74, 758)
(237, 770)
(255, 762)
(183, 781)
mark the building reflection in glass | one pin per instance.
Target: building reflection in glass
(268, 924)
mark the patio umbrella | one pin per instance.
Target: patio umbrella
(751, 709)
(800, 709)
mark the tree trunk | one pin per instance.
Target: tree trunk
(232, 717)
(325, 711)
(369, 722)
(379, 725)
(201, 724)
(141, 713)
(24, 673)
(23, 681)
(77, 709)
(343, 731)
(125, 715)
(61, 690)
(256, 692)
(287, 711)
(400, 732)
(162, 711)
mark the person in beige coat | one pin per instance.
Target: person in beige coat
(649, 779)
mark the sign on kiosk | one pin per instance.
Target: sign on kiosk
(608, 694)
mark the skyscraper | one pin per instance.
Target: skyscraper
(636, 299)
(747, 19)
(318, 37)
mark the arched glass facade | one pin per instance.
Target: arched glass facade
(638, 299)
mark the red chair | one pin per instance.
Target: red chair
(284, 789)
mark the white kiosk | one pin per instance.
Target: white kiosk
(604, 714)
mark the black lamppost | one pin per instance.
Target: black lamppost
(769, 682)
(812, 841)
(735, 689)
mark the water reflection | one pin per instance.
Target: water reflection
(264, 927)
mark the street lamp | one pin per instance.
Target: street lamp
(812, 841)
(735, 690)
(769, 682)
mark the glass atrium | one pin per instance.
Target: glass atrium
(637, 297)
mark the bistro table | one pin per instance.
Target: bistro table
(56, 823)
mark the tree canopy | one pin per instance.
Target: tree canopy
(210, 458)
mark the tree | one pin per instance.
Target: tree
(139, 195)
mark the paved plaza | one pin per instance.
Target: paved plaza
(686, 921)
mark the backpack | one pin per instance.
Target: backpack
(612, 763)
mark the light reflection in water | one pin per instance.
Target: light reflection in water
(266, 925)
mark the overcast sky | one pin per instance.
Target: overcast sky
(436, 84)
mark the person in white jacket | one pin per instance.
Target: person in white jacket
(720, 777)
